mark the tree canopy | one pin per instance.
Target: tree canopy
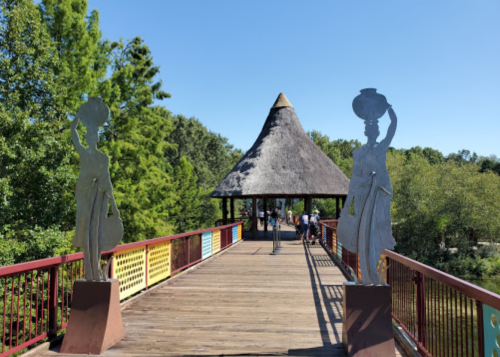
(53, 56)
(444, 207)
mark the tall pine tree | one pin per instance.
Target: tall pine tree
(34, 174)
(134, 140)
(84, 55)
(185, 213)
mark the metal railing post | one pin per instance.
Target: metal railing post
(279, 235)
(420, 307)
(54, 291)
(480, 328)
(111, 264)
(146, 269)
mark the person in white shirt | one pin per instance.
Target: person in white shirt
(261, 217)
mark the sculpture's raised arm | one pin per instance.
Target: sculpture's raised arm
(74, 136)
(391, 130)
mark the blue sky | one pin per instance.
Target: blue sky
(226, 61)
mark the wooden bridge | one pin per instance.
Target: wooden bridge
(242, 302)
(212, 293)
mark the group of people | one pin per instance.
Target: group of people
(309, 223)
(275, 214)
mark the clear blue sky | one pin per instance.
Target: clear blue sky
(225, 62)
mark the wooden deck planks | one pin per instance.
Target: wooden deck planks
(242, 303)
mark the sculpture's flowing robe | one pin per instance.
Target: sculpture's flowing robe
(371, 190)
(92, 200)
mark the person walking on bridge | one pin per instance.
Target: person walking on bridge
(261, 217)
(304, 226)
(313, 225)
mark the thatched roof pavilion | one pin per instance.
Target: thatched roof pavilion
(283, 162)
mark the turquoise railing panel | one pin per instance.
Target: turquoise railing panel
(235, 234)
(206, 245)
(491, 328)
(339, 250)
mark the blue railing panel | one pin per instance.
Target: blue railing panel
(206, 245)
(235, 234)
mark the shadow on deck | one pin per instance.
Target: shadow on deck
(244, 302)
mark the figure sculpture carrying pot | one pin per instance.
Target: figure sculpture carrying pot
(95, 230)
(364, 226)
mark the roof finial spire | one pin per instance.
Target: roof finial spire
(281, 101)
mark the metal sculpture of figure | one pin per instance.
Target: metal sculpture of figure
(95, 230)
(364, 226)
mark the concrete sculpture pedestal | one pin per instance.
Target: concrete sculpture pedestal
(367, 321)
(96, 322)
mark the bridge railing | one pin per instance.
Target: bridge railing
(442, 315)
(247, 222)
(350, 261)
(35, 297)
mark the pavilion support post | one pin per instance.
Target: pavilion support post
(337, 207)
(265, 214)
(254, 217)
(343, 201)
(231, 205)
(224, 211)
(308, 205)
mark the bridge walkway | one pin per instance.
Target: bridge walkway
(244, 302)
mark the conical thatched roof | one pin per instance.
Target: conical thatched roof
(283, 161)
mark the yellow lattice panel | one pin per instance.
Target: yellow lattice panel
(158, 262)
(129, 268)
(215, 241)
(383, 266)
(240, 231)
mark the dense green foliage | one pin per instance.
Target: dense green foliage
(445, 210)
(53, 56)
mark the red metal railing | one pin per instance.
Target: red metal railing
(35, 297)
(246, 219)
(441, 314)
(346, 258)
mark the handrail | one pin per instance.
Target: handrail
(35, 297)
(63, 259)
(473, 291)
(442, 314)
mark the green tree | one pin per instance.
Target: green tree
(433, 156)
(34, 172)
(449, 205)
(36, 182)
(82, 52)
(339, 151)
(185, 213)
(463, 157)
(489, 164)
(134, 141)
(210, 154)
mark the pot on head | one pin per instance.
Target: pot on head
(369, 105)
(93, 113)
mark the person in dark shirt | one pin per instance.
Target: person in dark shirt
(313, 225)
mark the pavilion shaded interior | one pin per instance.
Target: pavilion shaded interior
(282, 163)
